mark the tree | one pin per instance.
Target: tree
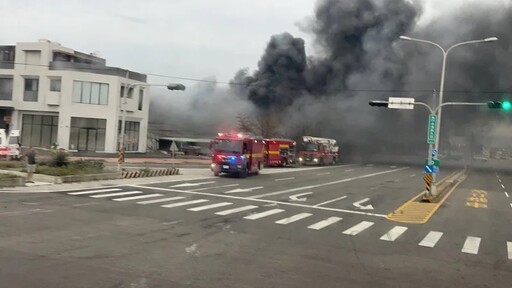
(245, 124)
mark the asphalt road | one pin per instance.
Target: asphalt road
(320, 227)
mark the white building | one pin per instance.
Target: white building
(54, 94)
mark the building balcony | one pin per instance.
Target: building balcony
(53, 98)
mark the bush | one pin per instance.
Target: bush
(60, 159)
(78, 167)
(11, 164)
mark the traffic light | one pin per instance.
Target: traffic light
(378, 103)
(504, 105)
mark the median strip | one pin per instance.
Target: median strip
(415, 211)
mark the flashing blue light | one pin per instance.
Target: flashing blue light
(232, 159)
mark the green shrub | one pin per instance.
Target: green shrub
(87, 165)
(11, 164)
(78, 167)
(55, 171)
(60, 159)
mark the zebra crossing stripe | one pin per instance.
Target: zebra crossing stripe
(211, 206)
(394, 233)
(509, 250)
(263, 214)
(293, 218)
(356, 229)
(236, 210)
(94, 191)
(184, 203)
(116, 194)
(471, 245)
(137, 197)
(161, 200)
(431, 239)
(324, 223)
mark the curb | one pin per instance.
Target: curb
(151, 173)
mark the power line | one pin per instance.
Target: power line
(107, 68)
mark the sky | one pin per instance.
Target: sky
(201, 39)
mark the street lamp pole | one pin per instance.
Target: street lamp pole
(441, 89)
(171, 86)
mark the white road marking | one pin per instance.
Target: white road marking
(184, 203)
(85, 204)
(354, 230)
(240, 190)
(236, 210)
(499, 180)
(263, 214)
(116, 194)
(137, 197)
(431, 239)
(471, 245)
(392, 166)
(413, 175)
(330, 201)
(296, 197)
(509, 250)
(325, 173)
(506, 194)
(192, 184)
(294, 218)
(284, 179)
(502, 186)
(211, 206)
(394, 233)
(327, 183)
(259, 200)
(367, 207)
(324, 223)
(215, 187)
(172, 222)
(349, 170)
(25, 212)
(511, 205)
(95, 191)
(161, 200)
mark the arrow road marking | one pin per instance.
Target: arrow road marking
(296, 196)
(358, 204)
(192, 184)
(239, 190)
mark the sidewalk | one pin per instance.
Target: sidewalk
(146, 160)
(186, 174)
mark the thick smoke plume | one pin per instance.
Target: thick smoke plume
(360, 57)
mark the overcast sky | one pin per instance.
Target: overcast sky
(188, 38)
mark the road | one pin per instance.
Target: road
(313, 227)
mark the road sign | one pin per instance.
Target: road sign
(400, 103)
(434, 162)
(434, 152)
(431, 130)
(174, 148)
(436, 169)
(429, 168)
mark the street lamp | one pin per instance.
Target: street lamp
(441, 88)
(170, 86)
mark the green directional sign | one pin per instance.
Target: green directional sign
(434, 162)
(431, 130)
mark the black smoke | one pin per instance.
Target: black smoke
(361, 58)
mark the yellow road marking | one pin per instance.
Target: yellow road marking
(415, 212)
(477, 199)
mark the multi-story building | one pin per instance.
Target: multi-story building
(55, 94)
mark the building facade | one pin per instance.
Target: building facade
(55, 94)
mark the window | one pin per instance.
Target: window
(141, 99)
(131, 135)
(5, 88)
(130, 92)
(87, 134)
(39, 130)
(31, 88)
(90, 93)
(55, 84)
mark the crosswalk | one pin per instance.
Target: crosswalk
(470, 246)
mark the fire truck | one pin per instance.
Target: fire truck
(238, 154)
(318, 151)
(279, 152)
(9, 146)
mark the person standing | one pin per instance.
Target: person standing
(31, 164)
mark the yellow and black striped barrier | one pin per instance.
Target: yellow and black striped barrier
(151, 173)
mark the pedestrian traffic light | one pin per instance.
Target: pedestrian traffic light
(378, 103)
(504, 105)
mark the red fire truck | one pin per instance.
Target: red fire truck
(239, 154)
(279, 152)
(318, 151)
